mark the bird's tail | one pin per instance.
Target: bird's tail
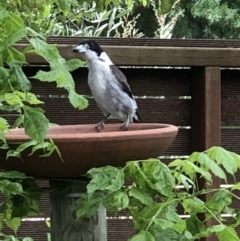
(137, 118)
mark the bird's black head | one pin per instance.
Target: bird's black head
(93, 45)
(88, 47)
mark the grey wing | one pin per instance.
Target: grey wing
(122, 80)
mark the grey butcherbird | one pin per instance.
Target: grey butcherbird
(108, 85)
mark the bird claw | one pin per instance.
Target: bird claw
(124, 127)
(99, 126)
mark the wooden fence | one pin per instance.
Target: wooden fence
(203, 100)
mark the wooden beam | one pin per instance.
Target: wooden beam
(205, 43)
(155, 56)
(64, 225)
(206, 118)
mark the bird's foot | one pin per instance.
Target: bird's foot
(99, 126)
(124, 127)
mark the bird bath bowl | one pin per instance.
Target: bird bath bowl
(83, 148)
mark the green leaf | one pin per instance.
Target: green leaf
(13, 175)
(116, 201)
(166, 6)
(2, 137)
(228, 233)
(209, 231)
(13, 223)
(35, 123)
(186, 181)
(73, 64)
(42, 145)
(47, 51)
(160, 215)
(13, 99)
(3, 13)
(105, 178)
(11, 54)
(145, 180)
(63, 5)
(194, 225)
(176, 163)
(10, 108)
(87, 207)
(22, 79)
(142, 236)
(18, 121)
(160, 175)
(13, 23)
(13, 38)
(236, 158)
(207, 163)
(29, 97)
(144, 3)
(236, 220)
(47, 76)
(142, 196)
(122, 13)
(21, 206)
(193, 205)
(180, 226)
(220, 200)
(3, 124)
(236, 186)
(50, 147)
(27, 239)
(191, 169)
(1, 221)
(78, 101)
(167, 235)
(17, 152)
(221, 156)
(9, 188)
(24, 205)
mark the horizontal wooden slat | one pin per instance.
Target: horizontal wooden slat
(180, 145)
(230, 140)
(143, 82)
(210, 43)
(154, 56)
(230, 110)
(230, 82)
(119, 230)
(230, 97)
(35, 229)
(175, 112)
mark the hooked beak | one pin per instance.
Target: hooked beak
(80, 49)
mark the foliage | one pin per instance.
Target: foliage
(82, 18)
(209, 19)
(151, 195)
(105, 23)
(15, 86)
(149, 190)
(21, 198)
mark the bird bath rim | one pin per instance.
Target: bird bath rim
(87, 131)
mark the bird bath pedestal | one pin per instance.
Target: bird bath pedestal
(83, 148)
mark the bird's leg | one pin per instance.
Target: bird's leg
(125, 124)
(100, 125)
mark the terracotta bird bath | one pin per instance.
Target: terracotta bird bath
(83, 148)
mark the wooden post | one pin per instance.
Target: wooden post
(64, 226)
(206, 117)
